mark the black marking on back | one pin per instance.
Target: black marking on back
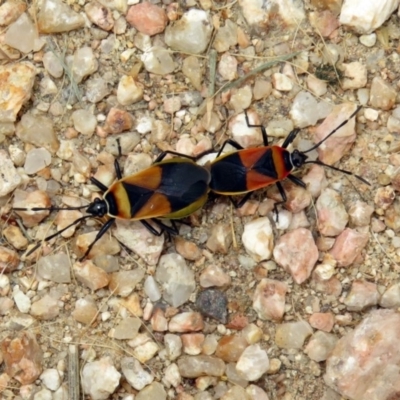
(138, 196)
(266, 166)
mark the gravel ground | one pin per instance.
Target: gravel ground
(191, 103)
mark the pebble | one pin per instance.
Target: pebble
(192, 343)
(122, 283)
(325, 22)
(138, 239)
(25, 43)
(96, 89)
(392, 218)
(173, 346)
(22, 301)
(172, 105)
(320, 346)
(65, 218)
(51, 378)
(332, 215)
(90, 275)
(214, 275)
(84, 122)
(151, 289)
(255, 393)
(147, 18)
(269, 299)
(348, 246)
(322, 321)
(317, 86)
(201, 365)
(351, 368)
(99, 15)
(355, 75)
(154, 391)
(10, 11)
(252, 333)
(84, 63)
(391, 297)
(158, 321)
(191, 33)
(306, 110)
(253, 363)
(55, 267)
(18, 80)
(146, 351)
(227, 67)
(282, 82)
(333, 149)
(258, 239)
(4, 285)
(85, 311)
(175, 278)
(297, 253)
(360, 213)
(36, 160)
(45, 309)
(54, 16)
(158, 60)
(134, 373)
(9, 259)
(366, 18)
(368, 40)
(230, 348)
(189, 321)
(382, 94)
(384, 197)
(28, 127)
(298, 198)
(213, 303)
(52, 64)
(241, 98)
(129, 91)
(292, 335)
(226, 37)
(9, 177)
(242, 133)
(262, 88)
(362, 295)
(100, 378)
(220, 239)
(192, 69)
(17, 155)
(22, 357)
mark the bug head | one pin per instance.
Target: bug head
(298, 158)
(98, 208)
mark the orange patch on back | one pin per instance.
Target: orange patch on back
(149, 178)
(157, 206)
(255, 180)
(249, 157)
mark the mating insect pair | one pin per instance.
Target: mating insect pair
(177, 187)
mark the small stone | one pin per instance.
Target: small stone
(158, 321)
(173, 346)
(53, 64)
(253, 363)
(90, 275)
(96, 89)
(46, 308)
(292, 335)
(201, 365)
(382, 94)
(15, 237)
(100, 378)
(192, 69)
(258, 239)
(172, 377)
(214, 276)
(269, 299)
(362, 295)
(241, 98)
(220, 239)
(298, 198)
(55, 267)
(151, 289)
(158, 61)
(384, 197)
(22, 357)
(360, 213)
(368, 40)
(9, 177)
(55, 16)
(51, 379)
(129, 91)
(105, 245)
(10, 11)
(84, 63)
(172, 105)
(65, 218)
(355, 75)
(348, 246)
(213, 303)
(366, 18)
(36, 160)
(186, 322)
(297, 253)
(13, 38)
(191, 33)
(317, 86)
(252, 333)
(99, 15)
(325, 22)
(22, 301)
(154, 391)
(242, 133)
(262, 89)
(146, 351)
(84, 122)
(391, 297)
(226, 37)
(282, 82)
(230, 348)
(227, 67)
(332, 215)
(322, 321)
(147, 18)
(320, 346)
(85, 311)
(9, 260)
(256, 393)
(134, 373)
(122, 283)
(192, 343)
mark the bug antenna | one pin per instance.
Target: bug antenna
(335, 130)
(51, 208)
(339, 170)
(46, 239)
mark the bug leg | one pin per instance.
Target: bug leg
(236, 145)
(173, 230)
(151, 229)
(98, 184)
(278, 203)
(241, 202)
(116, 163)
(262, 127)
(100, 233)
(297, 181)
(289, 138)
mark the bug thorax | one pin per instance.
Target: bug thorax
(298, 158)
(98, 208)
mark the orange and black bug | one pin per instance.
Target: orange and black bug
(169, 189)
(246, 170)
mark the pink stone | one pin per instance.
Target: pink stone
(192, 343)
(384, 197)
(188, 250)
(22, 357)
(147, 18)
(230, 348)
(297, 253)
(322, 321)
(118, 121)
(9, 260)
(364, 363)
(269, 299)
(362, 294)
(360, 213)
(324, 22)
(298, 198)
(348, 246)
(158, 321)
(186, 322)
(91, 276)
(340, 142)
(315, 180)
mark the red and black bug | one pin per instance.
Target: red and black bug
(246, 170)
